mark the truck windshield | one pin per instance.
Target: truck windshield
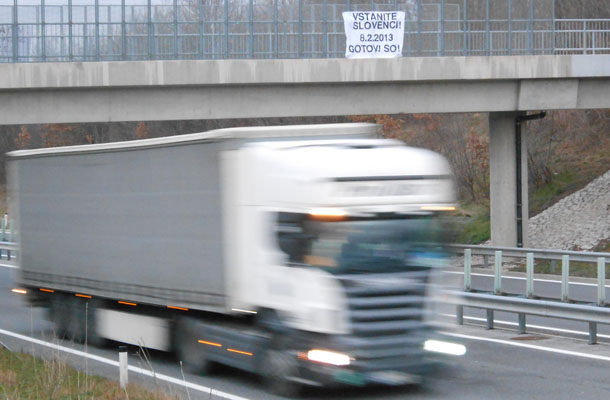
(364, 245)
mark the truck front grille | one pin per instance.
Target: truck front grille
(387, 318)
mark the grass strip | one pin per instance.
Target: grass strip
(25, 377)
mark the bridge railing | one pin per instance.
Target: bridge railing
(97, 30)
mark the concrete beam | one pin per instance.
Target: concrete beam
(176, 90)
(300, 71)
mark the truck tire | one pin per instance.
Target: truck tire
(188, 350)
(74, 319)
(278, 367)
(59, 315)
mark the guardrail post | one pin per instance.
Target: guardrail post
(226, 24)
(487, 30)
(498, 272)
(441, 18)
(465, 38)
(490, 319)
(300, 37)
(592, 332)
(486, 261)
(176, 27)
(43, 31)
(15, 32)
(601, 281)
(251, 30)
(459, 313)
(510, 28)
(467, 269)
(70, 49)
(565, 274)
(124, 31)
(529, 271)
(521, 323)
(3, 232)
(123, 371)
(97, 30)
(530, 35)
(584, 38)
(325, 29)
(419, 28)
(150, 38)
(11, 237)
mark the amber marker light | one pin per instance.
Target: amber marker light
(47, 290)
(327, 213)
(178, 308)
(86, 296)
(127, 303)
(246, 353)
(437, 208)
(19, 291)
(210, 343)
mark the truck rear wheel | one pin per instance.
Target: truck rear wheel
(59, 315)
(74, 319)
(188, 350)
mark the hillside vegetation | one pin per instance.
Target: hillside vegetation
(566, 150)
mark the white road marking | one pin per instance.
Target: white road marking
(523, 278)
(528, 346)
(204, 389)
(9, 266)
(547, 328)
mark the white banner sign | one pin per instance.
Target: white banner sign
(374, 33)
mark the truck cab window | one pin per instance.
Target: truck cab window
(360, 245)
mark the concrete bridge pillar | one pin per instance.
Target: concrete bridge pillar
(503, 180)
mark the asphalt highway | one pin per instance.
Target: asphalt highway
(499, 363)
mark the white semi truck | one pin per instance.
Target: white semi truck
(298, 252)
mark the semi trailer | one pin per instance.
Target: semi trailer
(301, 253)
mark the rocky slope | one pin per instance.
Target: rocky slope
(578, 221)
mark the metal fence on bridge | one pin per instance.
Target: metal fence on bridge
(95, 30)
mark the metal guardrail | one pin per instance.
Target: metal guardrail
(530, 255)
(553, 309)
(542, 254)
(256, 29)
(8, 250)
(528, 305)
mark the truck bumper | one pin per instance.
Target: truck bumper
(409, 369)
(331, 376)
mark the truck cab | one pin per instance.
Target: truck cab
(342, 238)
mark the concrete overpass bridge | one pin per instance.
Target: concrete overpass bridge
(293, 69)
(505, 87)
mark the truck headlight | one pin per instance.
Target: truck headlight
(438, 346)
(328, 357)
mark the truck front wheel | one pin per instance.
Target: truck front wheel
(188, 350)
(279, 366)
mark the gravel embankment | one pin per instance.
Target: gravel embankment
(578, 221)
